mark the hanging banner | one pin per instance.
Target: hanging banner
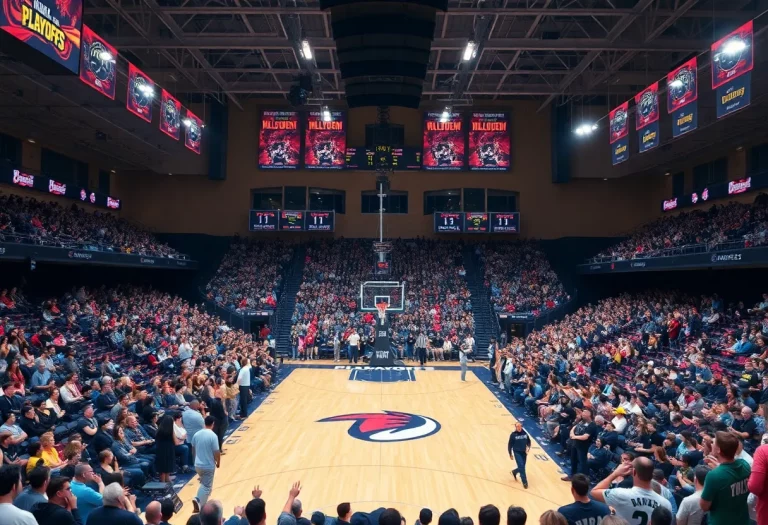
(619, 129)
(734, 95)
(193, 133)
(733, 55)
(141, 92)
(682, 92)
(647, 117)
(98, 63)
(489, 142)
(443, 141)
(279, 140)
(325, 141)
(170, 115)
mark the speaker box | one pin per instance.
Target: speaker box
(218, 131)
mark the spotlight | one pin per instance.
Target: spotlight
(326, 114)
(470, 51)
(187, 122)
(31, 140)
(734, 46)
(306, 51)
(677, 83)
(147, 90)
(106, 56)
(446, 114)
(585, 129)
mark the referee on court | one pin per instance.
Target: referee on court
(518, 447)
(421, 347)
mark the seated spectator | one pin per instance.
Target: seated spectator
(34, 492)
(61, 507)
(88, 499)
(118, 509)
(10, 488)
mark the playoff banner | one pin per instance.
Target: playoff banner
(141, 92)
(170, 116)
(194, 132)
(98, 63)
(682, 92)
(619, 129)
(443, 142)
(51, 27)
(647, 117)
(732, 63)
(279, 140)
(489, 143)
(325, 143)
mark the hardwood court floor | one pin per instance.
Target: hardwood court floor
(464, 465)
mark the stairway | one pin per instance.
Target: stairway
(293, 277)
(485, 325)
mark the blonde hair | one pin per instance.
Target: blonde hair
(48, 436)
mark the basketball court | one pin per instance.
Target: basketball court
(403, 437)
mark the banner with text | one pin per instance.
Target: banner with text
(682, 92)
(619, 129)
(279, 140)
(170, 115)
(443, 141)
(489, 143)
(647, 117)
(732, 63)
(193, 133)
(98, 63)
(325, 141)
(141, 93)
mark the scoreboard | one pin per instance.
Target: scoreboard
(320, 221)
(395, 158)
(476, 222)
(291, 221)
(263, 221)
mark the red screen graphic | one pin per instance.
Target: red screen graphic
(279, 140)
(733, 55)
(647, 106)
(51, 27)
(489, 144)
(98, 63)
(682, 85)
(443, 142)
(325, 142)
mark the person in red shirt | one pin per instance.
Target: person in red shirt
(758, 482)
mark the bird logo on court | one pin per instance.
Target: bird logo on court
(387, 427)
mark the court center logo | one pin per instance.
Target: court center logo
(387, 427)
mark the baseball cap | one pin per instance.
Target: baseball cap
(621, 410)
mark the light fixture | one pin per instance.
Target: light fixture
(677, 83)
(740, 148)
(306, 51)
(667, 173)
(31, 140)
(734, 46)
(147, 90)
(585, 129)
(187, 122)
(605, 179)
(326, 114)
(106, 56)
(470, 51)
(112, 171)
(446, 114)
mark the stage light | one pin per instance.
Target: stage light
(677, 83)
(147, 90)
(106, 56)
(187, 122)
(734, 46)
(446, 114)
(585, 129)
(306, 51)
(470, 51)
(326, 114)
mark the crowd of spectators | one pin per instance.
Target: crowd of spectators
(746, 223)
(436, 302)
(250, 275)
(30, 220)
(108, 387)
(520, 278)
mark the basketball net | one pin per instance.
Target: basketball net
(382, 308)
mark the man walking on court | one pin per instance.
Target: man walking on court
(354, 346)
(421, 348)
(207, 460)
(518, 447)
(244, 382)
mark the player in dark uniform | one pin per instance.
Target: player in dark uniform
(279, 153)
(518, 447)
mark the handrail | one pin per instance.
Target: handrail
(687, 249)
(68, 242)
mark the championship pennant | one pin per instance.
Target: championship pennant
(193, 133)
(647, 117)
(141, 92)
(732, 63)
(682, 92)
(170, 115)
(98, 63)
(619, 122)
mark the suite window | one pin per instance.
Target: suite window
(295, 197)
(394, 202)
(710, 173)
(443, 200)
(678, 184)
(500, 200)
(10, 150)
(62, 168)
(474, 199)
(103, 182)
(267, 199)
(321, 199)
(758, 158)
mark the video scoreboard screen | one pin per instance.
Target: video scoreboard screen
(397, 158)
(263, 221)
(505, 222)
(449, 222)
(476, 222)
(321, 221)
(292, 220)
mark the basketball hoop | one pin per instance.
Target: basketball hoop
(382, 308)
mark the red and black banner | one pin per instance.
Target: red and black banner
(647, 117)
(279, 140)
(682, 92)
(732, 63)
(325, 141)
(170, 115)
(619, 130)
(193, 133)
(141, 93)
(51, 27)
(489, 144)
(98, 63)
(443, 142)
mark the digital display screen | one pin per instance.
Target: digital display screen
(98, 63)
(263, 221)
(476, 222)
(279, 140)
(325, 141)
(449, 222)
(44, 184)
(506, 222)
(396, 158)
(321, 221)
(489, 143)
(52, 27)
(292, 221)
(443, 142)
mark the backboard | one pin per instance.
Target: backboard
(374, 292)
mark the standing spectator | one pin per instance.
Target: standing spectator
(726, 487)
(166, 448)
(690, 511)
(244, 382)
(118, 508)
(193, 420)
(421, 348)
(583, 509)
(34, 493)
(61, 508)
(207, 460)
(758, 482)
(354, 343)
(582, 436)
(10, 487)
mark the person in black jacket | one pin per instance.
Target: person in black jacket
(518, 447)
(31, 425)
(61, 508)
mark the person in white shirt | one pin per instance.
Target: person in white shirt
(354, 347)
(619, 422)
(10, 487)
(244, 382)
(470, 347)
(689, 512)
(447, 348)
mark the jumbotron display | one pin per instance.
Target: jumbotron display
(325, 140)
(476, 222)
(279, 140)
